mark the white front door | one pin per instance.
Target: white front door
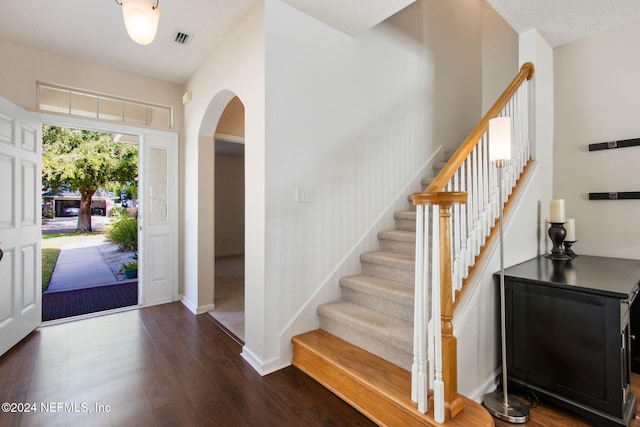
(20, 224)
(158, 218)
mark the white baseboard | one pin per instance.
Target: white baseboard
(263, 368)
(188, 304)
(195, 309)
(489, 385)
(205, 308)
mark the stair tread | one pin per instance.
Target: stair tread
(390, 259)
(377, 388)
(398, 235)
(438, 165)
(392, 330)
(383, 375)
(389, 289)
(404, 215)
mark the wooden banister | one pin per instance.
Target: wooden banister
(456, 247)
(439, 182)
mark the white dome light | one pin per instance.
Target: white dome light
(141, 19)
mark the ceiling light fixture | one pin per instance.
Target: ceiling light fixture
(141, 19)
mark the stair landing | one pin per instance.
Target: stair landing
(377, 388)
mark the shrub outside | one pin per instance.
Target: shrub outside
(124, 232)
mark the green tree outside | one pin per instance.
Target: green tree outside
(83, 160)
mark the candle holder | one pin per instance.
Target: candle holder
(567, 249)
(557, 233)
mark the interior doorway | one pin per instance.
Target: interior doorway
(229, 220)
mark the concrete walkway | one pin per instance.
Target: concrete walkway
(80, 266)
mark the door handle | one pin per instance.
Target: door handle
(1, 253)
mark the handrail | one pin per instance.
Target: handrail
(439, 182)
(458, 211)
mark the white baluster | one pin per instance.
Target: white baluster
(418, 309)
(470, 206)
(438, 384)
(476, 205)
(463, 223)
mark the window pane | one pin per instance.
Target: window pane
(158, 186)
(159, 117)
(110, 109)
(79, 103)
(135, 113)
(158, 161)
(56, 100)
(84, 105)
(158, 211)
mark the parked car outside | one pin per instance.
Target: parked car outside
(97, 211)
(70, 211)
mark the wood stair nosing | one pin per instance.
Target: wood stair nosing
(375, 387)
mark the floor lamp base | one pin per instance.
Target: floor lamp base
(515, 412)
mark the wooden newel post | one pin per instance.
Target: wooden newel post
(453, 401)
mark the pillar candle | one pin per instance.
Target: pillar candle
(570, 226)
(557, 210)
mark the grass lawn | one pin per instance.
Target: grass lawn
(57, 241)
(49, 258)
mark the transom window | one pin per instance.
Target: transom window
(73, 102)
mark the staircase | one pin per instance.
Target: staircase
(365, 351)
(376, 309)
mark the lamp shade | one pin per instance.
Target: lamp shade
(500, 138)
(141, 19)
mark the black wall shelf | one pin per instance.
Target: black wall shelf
(614, 144)
(625, 195)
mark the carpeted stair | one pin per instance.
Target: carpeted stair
(376, 309)
(363, 351)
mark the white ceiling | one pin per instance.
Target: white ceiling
(351, 17)
(564, 21)
(94, 29)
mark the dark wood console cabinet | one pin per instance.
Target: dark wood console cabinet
(568, 333)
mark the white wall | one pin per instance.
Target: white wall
(354, 119)
(597, 99)
(22, 67)
(499, 55)
(235, 68)
(229, 204)
(476, 320)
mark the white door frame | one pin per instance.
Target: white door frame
(146, 135)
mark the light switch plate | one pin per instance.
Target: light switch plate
(304, 195)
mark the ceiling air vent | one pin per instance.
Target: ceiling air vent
(182, 38)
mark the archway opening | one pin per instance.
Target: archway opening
(229, 220)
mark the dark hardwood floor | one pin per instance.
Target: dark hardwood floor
(155, 366)
(163, 366)
(544, 414)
